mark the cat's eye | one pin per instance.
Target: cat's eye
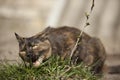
(35, 47)
(22, 52)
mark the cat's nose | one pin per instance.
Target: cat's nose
(29, 55)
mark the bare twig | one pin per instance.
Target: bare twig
(86, 24)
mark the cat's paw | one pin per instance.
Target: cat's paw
(36, 64)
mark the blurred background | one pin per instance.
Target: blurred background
(29, 17)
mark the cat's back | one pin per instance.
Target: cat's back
(64, 29)
(65, 32)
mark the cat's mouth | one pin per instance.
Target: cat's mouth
(38, 61)
(45, 54)
(32, 59)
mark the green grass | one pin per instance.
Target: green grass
(52, 69)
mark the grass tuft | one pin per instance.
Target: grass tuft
(52, 69)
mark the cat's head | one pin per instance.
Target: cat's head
(33, 50)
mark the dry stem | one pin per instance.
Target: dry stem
(86, 24)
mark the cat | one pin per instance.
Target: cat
(60, 41)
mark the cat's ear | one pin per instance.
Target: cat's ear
(19, 38)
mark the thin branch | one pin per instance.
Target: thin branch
(93, 4)
(86, 24)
